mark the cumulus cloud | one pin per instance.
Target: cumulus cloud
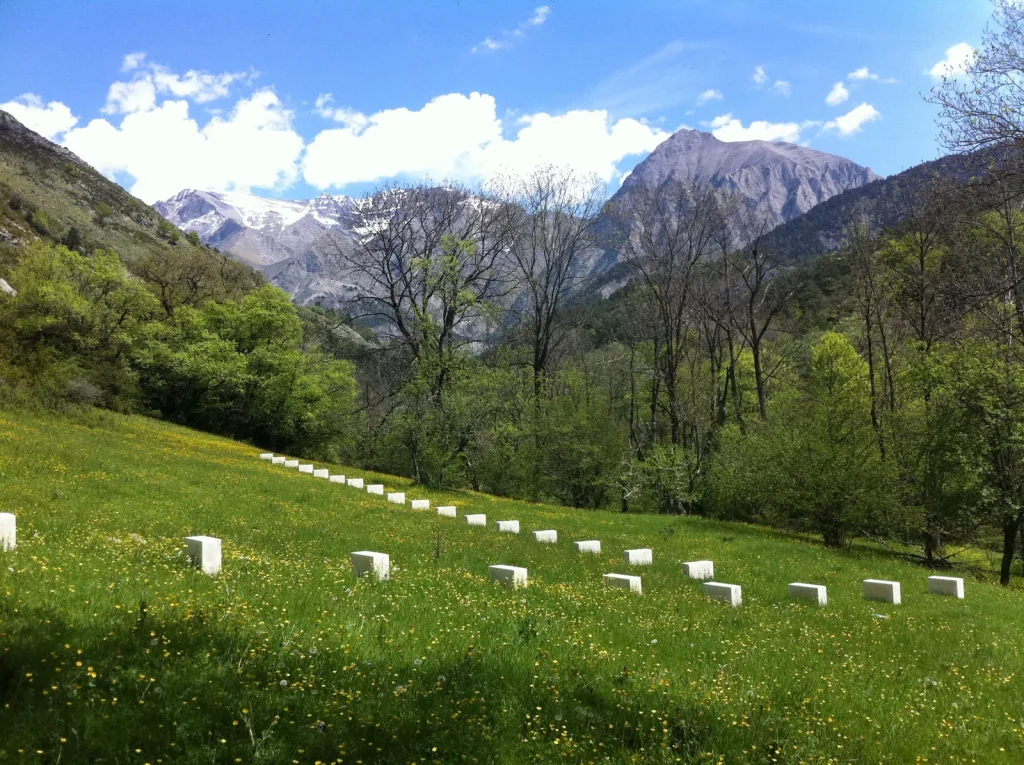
(782, 87)
(866, 74)
(49, 120)
(509, 36)
(462, 138)
(852, 122)
(164, 149)
(837, 95)
(152, 80)
(725, 127)
(711, 94)
(958, 59)
(760, 75)
(761, 78)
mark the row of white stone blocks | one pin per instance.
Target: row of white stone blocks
(874, 589)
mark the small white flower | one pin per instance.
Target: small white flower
(654, 642)
(283, 683)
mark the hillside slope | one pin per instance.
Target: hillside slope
(45, 191)
(286, 656)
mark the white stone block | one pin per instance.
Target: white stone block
(266, 456)
(277, 460)
(337, 479)
(881, 589)
(591, 546)
(291, 463)
(448, 511)
(946, 585)
(642, 556)
(548, 535)
(306, 469)
(815, 592)
(508, 527)
(355, 483)
(396, 498)
(730, 593)
(376, 563)
(375, 488)
(476, 520)
(625, 581)
(420, 504)
(700, 569)
(511, 576)
(204, 553)
(324, 473)
(8, 531)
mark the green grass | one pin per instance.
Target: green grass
(113, 650)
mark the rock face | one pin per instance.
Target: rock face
(779, 181)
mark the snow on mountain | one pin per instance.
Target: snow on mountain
(257, 230)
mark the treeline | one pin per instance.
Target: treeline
(81, 330)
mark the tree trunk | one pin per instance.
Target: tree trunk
(1010, 531)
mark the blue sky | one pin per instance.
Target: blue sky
(292, 99)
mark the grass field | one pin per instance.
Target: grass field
(113, 650)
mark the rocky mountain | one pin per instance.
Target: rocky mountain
(778, 181)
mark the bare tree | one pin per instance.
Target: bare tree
(662, 235)
(558, 208)
(984, 106)
(431, 263)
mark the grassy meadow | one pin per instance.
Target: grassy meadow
(112, 650)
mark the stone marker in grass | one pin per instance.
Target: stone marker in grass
(448, 511)
(815, 592)
(508, 527)
(277, 460)
(337, 479)
(625, 581)
(356, 483)
(266, 456)
(8, 531)
(396, 498)
(306, 469)
(946, 585)
(510, 576)
(700, 569)
(204, 553)
(642, 556)
(548, 535)
(730, 593)
(476, 520)
(881, 589)
(323, 473)
(590, 546)
(375, 488)
(420, 504)
(291, 463)
(376, 563)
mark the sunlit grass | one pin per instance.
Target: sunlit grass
(112, 649)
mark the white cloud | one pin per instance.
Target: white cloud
(782, 87)
(509, 36)
(49, 120)
(837, 95)
(709, 95)
(760, 75)
(132, 61)
(955, 64)
(725, 127)
(461, 137)
(347, 117)
(540, 15)
(151, 80)
(165, 150)
(853, 120)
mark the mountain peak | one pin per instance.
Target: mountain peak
(778, 180)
